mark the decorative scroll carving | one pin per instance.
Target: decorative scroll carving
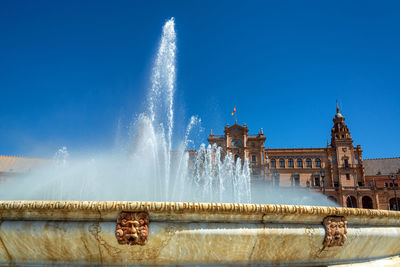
(7, 208)
(132, 228)
(335, 231)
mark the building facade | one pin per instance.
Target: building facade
(12, 167)
(337, 170)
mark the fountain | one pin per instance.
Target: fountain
(167, 206)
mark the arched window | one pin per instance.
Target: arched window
(281, 163)
(318, 163)
(299, 163)
(367, 202)
(273, 163)
(290, 163)
(331, 198)
(308, 163)
(351, 202)
(346, 163)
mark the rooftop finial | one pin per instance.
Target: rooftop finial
(211, 132)
(337, 107)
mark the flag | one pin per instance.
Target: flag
(234, 111)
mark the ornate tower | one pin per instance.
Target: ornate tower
(340, 133)
(346, 159)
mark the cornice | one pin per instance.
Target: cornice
(191, 207)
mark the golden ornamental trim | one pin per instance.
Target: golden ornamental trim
(191, 207)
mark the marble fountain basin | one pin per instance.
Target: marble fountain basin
(179, 233)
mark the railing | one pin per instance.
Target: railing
(350, 166)
(330, 188)
(365, 187)
(350, 187)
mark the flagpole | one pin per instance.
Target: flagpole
(235, 115)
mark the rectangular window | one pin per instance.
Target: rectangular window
(253, 158)
(346, 163)
(347, 176)
(317, 181)
(336, 184)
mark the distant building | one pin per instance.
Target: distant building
(11, 167)
(384, 174)
(337, 170)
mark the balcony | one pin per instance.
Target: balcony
(349, 166)
(365, 187)
(349, 187)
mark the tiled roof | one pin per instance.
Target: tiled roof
(11, 164)
(381, 166)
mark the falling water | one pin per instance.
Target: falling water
(208, 170)
(61, 157)
(219, 178)
(161, 96)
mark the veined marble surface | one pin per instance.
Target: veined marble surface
(192, 233)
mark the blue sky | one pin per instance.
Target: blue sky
(70, 70)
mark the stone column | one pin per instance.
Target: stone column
(359, 201)
(376, 202)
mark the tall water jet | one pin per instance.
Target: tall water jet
(161, 102)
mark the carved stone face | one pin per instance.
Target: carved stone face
(132, 228)
(335, 231)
